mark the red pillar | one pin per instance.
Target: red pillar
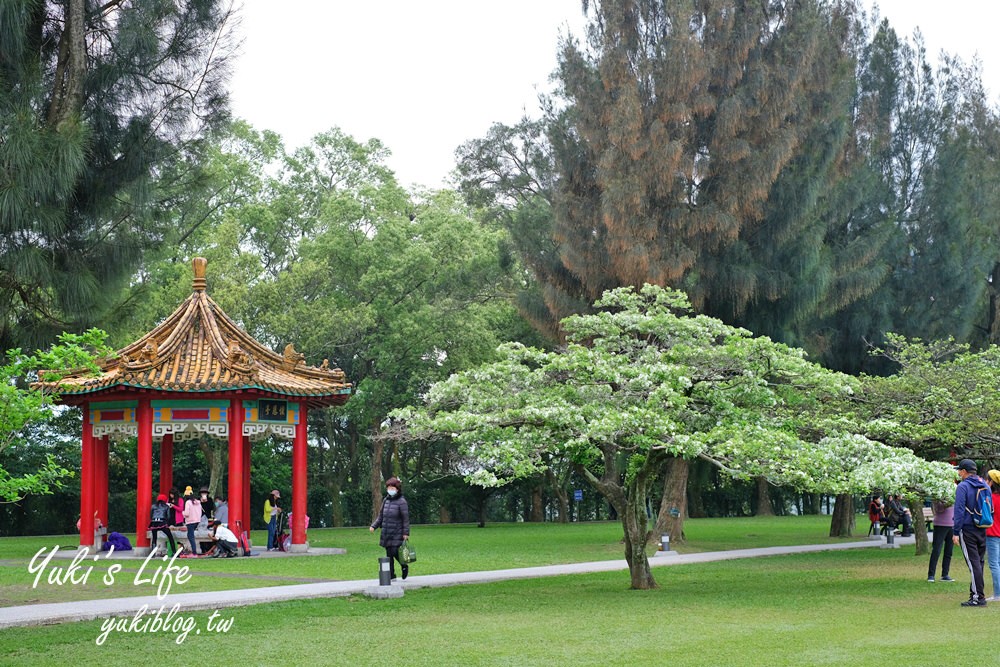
(236, 465)
(167, 463)
(87, 481)
(101, 478)
(144, 478)
(300, 484)
(246, 481)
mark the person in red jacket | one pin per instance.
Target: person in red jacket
(876, 514)
(993, 535)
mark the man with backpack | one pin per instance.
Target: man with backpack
(973, 515)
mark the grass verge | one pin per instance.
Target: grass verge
(809, 609)
(442, 549)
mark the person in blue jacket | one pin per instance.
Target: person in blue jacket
(967, 534)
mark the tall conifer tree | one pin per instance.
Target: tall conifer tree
(929, 138)
(689, 159)
(95, 98)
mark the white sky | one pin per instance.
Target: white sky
(423, 76)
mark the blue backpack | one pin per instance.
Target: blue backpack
(982, 515)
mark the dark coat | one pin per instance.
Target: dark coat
(394, 519)
(159, 514)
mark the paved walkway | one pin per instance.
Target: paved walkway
(59, 612)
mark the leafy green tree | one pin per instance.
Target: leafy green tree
(20, 405)
(940, 403)
(643, 380)
(322, 247)
(698, 145)
(95, 100)
(509, 176)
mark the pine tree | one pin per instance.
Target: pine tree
(95, 99)
(703, 145)
(689, 159)
(929, 138)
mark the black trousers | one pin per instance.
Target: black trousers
(166, 531)
(227, 548)
(973, 543)
(942, 542)
(393, 555)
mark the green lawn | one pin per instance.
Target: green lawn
(828, 608)
(816, 609)
(442, 549)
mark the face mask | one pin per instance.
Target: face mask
(392, 492)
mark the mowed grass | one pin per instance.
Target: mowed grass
(441, 549)
(828, 608)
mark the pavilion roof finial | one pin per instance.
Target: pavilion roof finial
(198, 264)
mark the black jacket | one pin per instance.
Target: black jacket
(394, 519)
(159, 514)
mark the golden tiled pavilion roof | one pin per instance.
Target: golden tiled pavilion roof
(199, 349)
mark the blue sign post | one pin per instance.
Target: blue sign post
(578, 495)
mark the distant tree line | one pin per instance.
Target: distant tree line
(797, 168)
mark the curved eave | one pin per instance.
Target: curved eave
(336, 397)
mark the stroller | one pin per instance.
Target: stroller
(280, 534)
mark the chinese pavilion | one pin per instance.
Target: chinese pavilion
(196, 375)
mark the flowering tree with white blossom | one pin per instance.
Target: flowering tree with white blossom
(644, 379)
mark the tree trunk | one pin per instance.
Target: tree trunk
(630, 501)
(71, 69)
(993, 310)
(337, 506)
(334, 477)
(634, 525)
(764, 506)
(696, 484)
(561, 495)
(537, 509)
(212, 451)
(354, 467)
(376, 477)
(444, 516)
(814, 504)
(673, 505)
(482, 497)
(842, 520)
(919, 527)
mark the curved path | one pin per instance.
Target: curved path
(59, 612)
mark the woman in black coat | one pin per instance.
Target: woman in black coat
(394, 519)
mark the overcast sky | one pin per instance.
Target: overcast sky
(423, 76)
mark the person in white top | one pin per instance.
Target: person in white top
(225, 540)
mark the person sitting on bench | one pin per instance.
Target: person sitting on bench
(896, 514)
(225, 541)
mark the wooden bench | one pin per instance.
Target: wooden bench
(928, 518)
(926, 512)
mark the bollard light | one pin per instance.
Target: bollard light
(664, 542)
(384, 576)
(890, 537)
